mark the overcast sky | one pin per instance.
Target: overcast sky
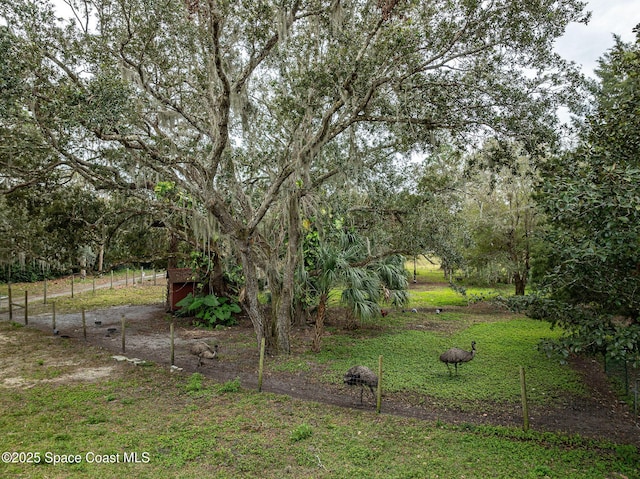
(584, 44)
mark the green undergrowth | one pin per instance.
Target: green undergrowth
(239, 433)
(411, 362)
(246, 434)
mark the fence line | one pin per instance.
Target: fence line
(626, 378)
(47, 295)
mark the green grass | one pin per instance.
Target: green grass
(428, 271)
(186, 425)
(88, 300)
(248, 434)
(63, 284)
(438, 294)
(446, 296)
(411, 343)
(411, 363)
(432, 275)
(436, 298)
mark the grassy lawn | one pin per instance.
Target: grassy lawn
(411, 343)
(410, 362)
(88, 300)
(119, 279)
(186, 426)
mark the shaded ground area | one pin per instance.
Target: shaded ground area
(601, 416)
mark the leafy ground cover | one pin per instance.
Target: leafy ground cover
(186, 425)
(68, 397)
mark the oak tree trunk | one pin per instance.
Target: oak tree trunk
(252, 306)
(520, 282)
(319, 328)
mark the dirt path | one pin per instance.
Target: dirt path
(601, 416)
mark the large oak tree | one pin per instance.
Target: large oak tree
(251, 107)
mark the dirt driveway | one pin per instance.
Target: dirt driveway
(602, 416)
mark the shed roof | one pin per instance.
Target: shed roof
(180, 275)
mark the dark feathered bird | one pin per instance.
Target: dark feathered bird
(361, 376)
(456, 356)
(204, 351)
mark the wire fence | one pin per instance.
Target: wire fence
(624, 375)
(19, 298)
(626, 380)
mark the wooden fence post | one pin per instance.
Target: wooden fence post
(111, 287)
(26, 308)
(172, 332)
(261, 365)
(10, 304)
(84, 325)
(123, 324)
(525, 404)
(379, 389)
(45, 291)
(73, 277)
(53, 318)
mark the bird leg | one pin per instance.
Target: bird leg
(373, 393)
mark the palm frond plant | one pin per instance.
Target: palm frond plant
(394, 280)
(343, 264)
(361, 295)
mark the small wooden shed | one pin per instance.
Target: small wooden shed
(180, 282)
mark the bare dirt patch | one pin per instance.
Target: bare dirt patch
(29, 358)
(81, 374)
(600, 416)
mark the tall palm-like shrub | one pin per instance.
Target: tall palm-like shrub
(393, 278)
(330, 267)
(361, 294)
(346, 265)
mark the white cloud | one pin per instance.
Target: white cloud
(584, 44)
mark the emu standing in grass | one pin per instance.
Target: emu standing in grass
(361, 376)
(204, 351)
(456, 356)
